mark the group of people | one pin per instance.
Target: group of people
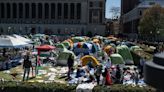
(103, 74)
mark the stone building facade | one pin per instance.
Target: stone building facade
(52, 16)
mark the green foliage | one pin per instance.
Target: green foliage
(122, 88)
(56, 87)
(35, 87)
(152, 21)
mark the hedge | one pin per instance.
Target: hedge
(55, 87)
(123, 88)
(35, 87)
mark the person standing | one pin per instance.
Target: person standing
(98, 73)
(70, 64)
(26, 66)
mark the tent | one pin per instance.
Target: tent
(116, 59)
(82, 47)
(86, 59)
(96, 40)
(135, 48)
(63, 57)
(60, 47)
(78, 39)
(109, 50)
(124, 51)
(66, 44)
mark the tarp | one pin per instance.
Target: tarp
(124, 51)
(116, 59)
(86, 59)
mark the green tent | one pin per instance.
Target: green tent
(124, 51)
(63, 57)
(66, 44)
(78, 39)
(134, 48)
(116, 59)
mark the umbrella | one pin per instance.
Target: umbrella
(45, 47)
(9, 41)
(22, 38)
(116, 59)
(86, 59)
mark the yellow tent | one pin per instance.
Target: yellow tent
(109, 49)
(86, 59)
(96, 41)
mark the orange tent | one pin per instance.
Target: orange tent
(109, 49)
(86, 59)
(96, 41)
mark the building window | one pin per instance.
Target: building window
(140, 12)
(90, 16)
(26, 10)
(72, 14)
(20, 10)
(100, 16)
(65, 11)
(90, 4)
(46, 10)
(79, 11)
(8, 10)
(14, 10)
(100, 4)
(33, 10)
(40, 8)
(59, 10)
(53, 11)
(2, 10)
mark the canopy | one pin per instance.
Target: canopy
(8, 41)
(23, 38)
(45, 47)
(117, 59)
(86, 59)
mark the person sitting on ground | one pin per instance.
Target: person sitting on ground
(80, 71)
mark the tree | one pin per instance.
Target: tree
(115, 11)
(152, 21)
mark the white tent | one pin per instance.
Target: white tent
(8, 41)
(23, 38)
